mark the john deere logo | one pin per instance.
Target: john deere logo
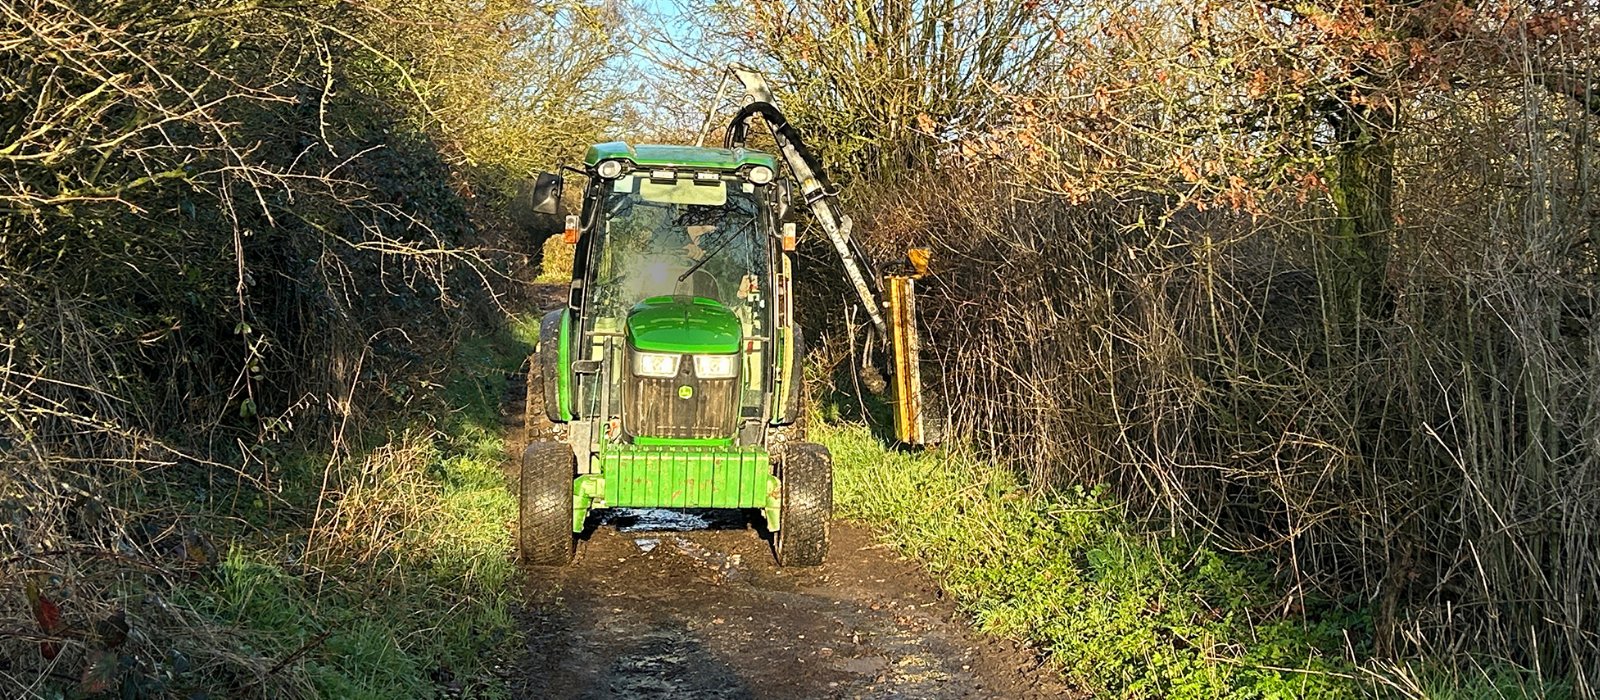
(685, 392)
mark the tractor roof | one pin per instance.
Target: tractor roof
(647, 156)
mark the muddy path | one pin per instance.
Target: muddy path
(667, 605)
(705, 614)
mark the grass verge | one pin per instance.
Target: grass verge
(385, 574)
(1120, 612)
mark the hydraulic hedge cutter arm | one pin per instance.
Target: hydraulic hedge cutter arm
(893, 316)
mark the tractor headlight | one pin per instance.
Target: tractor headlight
(716, 366)
(609, 169)
(760, 175)
(658, 365)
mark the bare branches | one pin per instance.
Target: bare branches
(882, 85)
(1313, 280)
(212, 216)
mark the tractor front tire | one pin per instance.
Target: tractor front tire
(806, 472)
(545, 536)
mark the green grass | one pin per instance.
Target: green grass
(408, 583)
(1496, 682)
(1120, 613)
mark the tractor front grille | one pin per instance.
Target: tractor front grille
(659, 408)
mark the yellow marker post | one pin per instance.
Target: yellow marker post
(909, 425)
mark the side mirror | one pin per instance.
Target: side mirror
(547, 193)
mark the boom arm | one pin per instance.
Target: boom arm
(911, 423)
(814, 188)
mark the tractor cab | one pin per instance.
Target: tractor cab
(675, 293)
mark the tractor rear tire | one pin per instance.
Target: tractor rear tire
(806, 472)
(536, 424)
(544, 527)
(548, 360)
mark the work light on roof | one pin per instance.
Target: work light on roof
(760, 174)
(609, 169)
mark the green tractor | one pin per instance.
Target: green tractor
(672, 378)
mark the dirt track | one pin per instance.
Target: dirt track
(707, 614)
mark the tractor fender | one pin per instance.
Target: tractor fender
(794, 407)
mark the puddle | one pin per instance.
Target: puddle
(660, 520)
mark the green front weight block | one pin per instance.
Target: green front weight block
(677, 476)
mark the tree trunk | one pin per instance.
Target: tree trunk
(1363, 192)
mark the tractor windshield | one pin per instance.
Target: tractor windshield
(680, 238)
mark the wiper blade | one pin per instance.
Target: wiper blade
(724, 244)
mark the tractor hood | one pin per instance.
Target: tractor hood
(692, 325)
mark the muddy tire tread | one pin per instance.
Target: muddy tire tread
(806, 470)
(536, 423)
(547, 360)
(545, 535)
